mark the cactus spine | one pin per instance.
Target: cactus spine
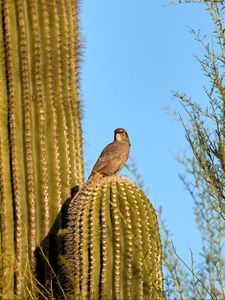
(113, 248)
(40, 131)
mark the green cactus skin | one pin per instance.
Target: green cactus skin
(113, 248)
(40, 130)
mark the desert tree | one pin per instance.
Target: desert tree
(204, 172)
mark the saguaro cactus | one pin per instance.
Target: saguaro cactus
(113, 248)
(40, 131)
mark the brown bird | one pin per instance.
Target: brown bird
(113, 156)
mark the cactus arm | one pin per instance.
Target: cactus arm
(116, 242)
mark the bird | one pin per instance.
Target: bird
(113, 157)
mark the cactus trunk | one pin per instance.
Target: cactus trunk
(40, 132)
(113, 248)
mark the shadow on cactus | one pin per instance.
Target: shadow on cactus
(49, 269)
(112, 243)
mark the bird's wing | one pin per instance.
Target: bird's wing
(110, 152)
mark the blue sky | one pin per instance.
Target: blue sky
(134, 56)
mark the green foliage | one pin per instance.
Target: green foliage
(40, 134)
(113, 248)
(204, 174)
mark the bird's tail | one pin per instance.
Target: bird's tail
(94, 177)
